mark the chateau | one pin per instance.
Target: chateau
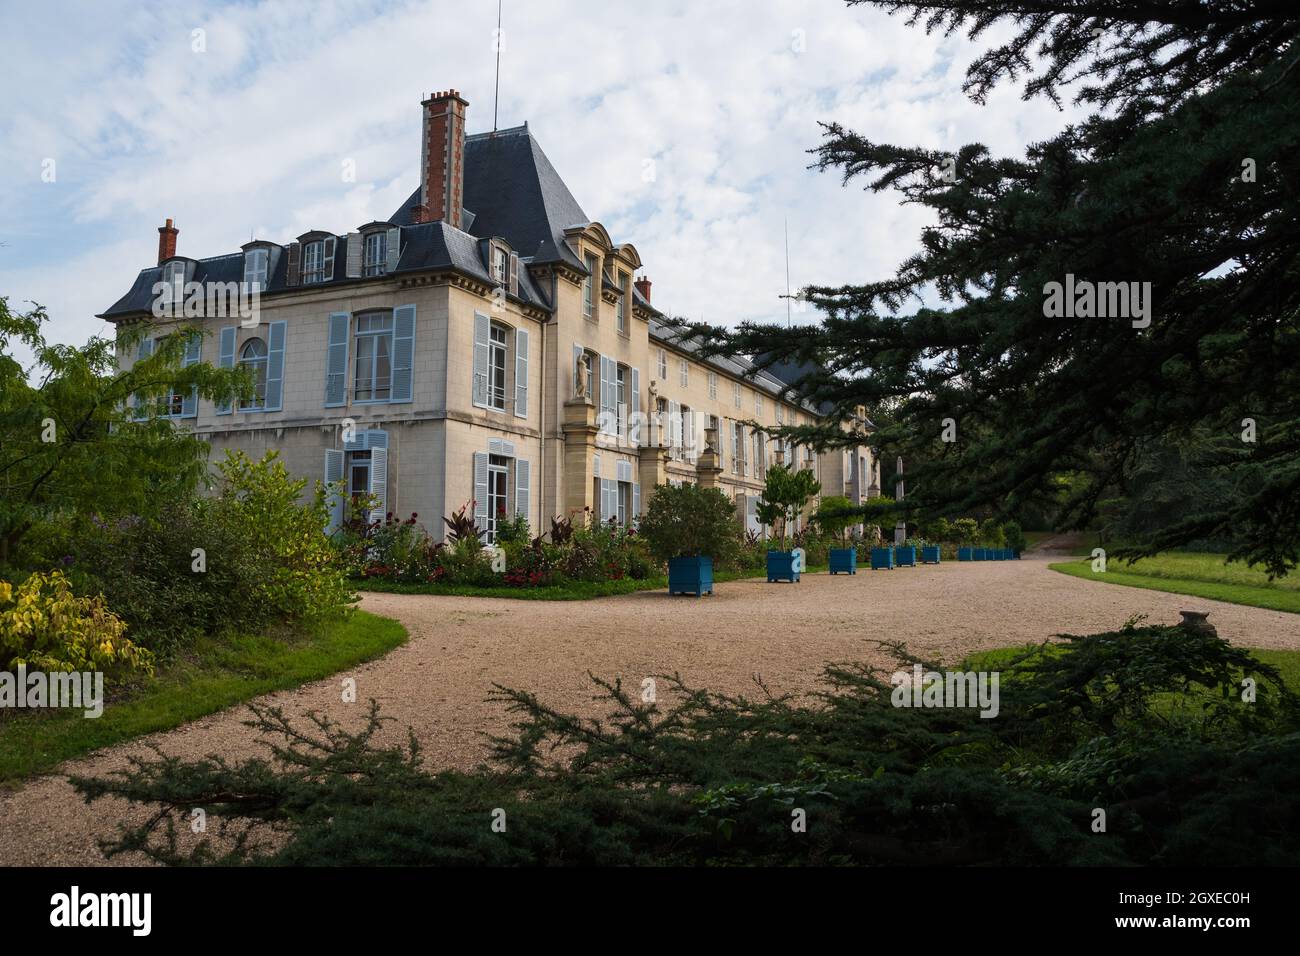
(488, 343)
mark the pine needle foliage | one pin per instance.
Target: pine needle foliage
(1147, 723)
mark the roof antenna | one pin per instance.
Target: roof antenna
(787, 295)
(496, 92)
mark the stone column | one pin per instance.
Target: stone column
(708, 472)
(580, 429)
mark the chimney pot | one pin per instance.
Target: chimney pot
(167, 241)
(643, 287)
(442, 166)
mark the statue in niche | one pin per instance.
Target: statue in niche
(581, 378)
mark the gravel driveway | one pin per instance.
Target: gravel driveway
(782, 632)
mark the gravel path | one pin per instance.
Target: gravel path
(781, 632)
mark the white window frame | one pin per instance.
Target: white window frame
(684, 373)
(256, 263)
(735, 393)
(264, 361)
(373, 334)
(498, 465)
(498, 346)
(313, 253)
(758, 403)
(375, 258)
(621, 311)
(663, 366)
(500, 265)
(589, 287)
(713, 385)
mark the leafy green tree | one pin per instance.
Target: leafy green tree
(785, 494)
(72, 437)
(1183, 177)
(835, 516)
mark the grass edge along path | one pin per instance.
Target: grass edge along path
(215, 674)
(1273, 599)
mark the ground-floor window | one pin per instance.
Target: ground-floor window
(624, 502)
(498, 497)
(359, 478)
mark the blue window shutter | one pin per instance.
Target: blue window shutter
(521, 373)
(403, 352)
(336, 365)
(372, 438)
(482, 333)
(334, 473)
(193, 352)
(144, 350)
(522, 491)
(379, 479)
(636, 503)
(275, 367)
(225, 359)
(481, 490)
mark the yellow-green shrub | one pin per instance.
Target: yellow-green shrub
(45, 626)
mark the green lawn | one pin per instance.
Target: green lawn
(214, 674)
(571, 591)
(1200, 575)
(1286, 662)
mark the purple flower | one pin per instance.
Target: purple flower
(67, 560)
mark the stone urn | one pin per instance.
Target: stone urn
(1196, 621)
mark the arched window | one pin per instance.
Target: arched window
(253, 357)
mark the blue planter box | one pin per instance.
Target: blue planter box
(930, 554)
(844, 560)
(780, 567)
(882, 558)
(1007, 554)
(905, 556)
(965, 554)
(981, 554)
(1016, 555)
(690, 576)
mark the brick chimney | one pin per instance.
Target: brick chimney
(442, 160)
(166, 242)
(643, 286)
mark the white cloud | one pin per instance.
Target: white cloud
(251, 134)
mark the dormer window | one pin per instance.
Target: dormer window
(173, 273)
(376, 254)
(624, 293)
(256, 263)
(589, 288)
(318, 260)
(500, 265)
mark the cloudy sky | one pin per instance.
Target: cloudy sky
(244, 128)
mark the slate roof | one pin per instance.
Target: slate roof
(511, 191)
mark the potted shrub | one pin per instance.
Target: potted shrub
(785, 494)
(833, 519)
(1015, 538)
(689, 528)
(965, 530)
